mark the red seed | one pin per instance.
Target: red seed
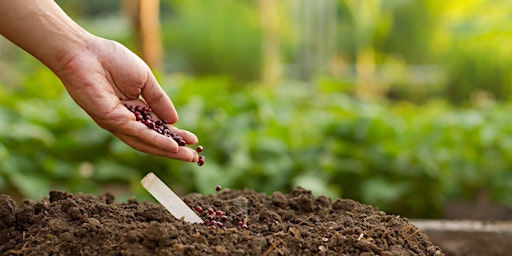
(244, 226)
(200, 162)
(210, 211)
(199, 149)
(199, 209)
(218, 187)
(239, 223)
(206, 222)
(224, 218)
(219, 213)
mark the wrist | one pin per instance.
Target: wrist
(65, 39)
(76, 44)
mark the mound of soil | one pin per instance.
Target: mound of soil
(280, 224)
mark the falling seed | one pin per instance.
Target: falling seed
(200, 162)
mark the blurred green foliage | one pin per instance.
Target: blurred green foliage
(214, 37)
(401, 156)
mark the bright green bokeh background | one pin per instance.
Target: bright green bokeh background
(440, 131)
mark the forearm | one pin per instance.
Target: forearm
(41, 28)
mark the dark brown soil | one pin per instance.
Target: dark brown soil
(280, 224)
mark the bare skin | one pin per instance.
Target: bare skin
(99, 74)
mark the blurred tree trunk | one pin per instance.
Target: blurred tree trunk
(145, 18)
(271, 43)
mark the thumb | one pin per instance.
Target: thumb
(158, 101)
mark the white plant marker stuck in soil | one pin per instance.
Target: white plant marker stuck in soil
(166, 197)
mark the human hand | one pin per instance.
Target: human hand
(107, 75)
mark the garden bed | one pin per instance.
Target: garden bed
(280, 224)
(469, 237)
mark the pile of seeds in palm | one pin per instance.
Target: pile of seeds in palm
(143, 115)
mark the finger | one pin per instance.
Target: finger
(136, 102)
(158, 101)
(183, 153)
(189, 137)
(140, 132)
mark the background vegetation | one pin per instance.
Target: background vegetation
(400, 104)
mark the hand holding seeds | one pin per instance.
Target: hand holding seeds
(99, 74)
(107, 76)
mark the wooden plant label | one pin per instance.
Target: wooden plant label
(166, 197)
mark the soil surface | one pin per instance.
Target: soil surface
(280, 224)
